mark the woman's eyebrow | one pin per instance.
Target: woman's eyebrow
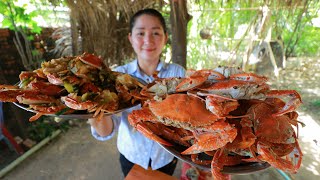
(142, 28)
(156, 27)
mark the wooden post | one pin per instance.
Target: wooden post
(74, 35)
(179, 19)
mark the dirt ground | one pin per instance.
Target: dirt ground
(75, 154)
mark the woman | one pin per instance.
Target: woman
(148, 36)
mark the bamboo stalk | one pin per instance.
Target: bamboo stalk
(16, 162)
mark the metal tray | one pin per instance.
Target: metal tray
(240, 169)
(75, 115)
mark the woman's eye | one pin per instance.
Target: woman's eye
(140, 33)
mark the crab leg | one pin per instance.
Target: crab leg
(219, 160)
(291, 105)
(52, 109)
(36, 116)
(142, 128)
(8, 87)
(220, 105)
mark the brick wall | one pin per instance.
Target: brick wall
(10, 61)
(11, 65)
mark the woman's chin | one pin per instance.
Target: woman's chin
(150, 57)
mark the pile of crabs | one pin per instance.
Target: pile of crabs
(77, 84)
(225, 113)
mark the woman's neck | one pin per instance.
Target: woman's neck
(148, 67)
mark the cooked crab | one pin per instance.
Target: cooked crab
(190, 113)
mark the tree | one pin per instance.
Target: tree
(22, 23)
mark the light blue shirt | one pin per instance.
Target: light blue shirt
(132, 144)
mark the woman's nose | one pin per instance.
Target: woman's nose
(148, 38)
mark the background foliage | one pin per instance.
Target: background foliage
(226, 23)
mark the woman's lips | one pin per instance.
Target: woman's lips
(149, 49)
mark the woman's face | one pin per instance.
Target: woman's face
(148, 38)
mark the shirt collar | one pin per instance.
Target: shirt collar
(133, 66)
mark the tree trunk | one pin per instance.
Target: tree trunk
(74, 35)
(179, 19)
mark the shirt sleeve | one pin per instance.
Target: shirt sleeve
(116, 123)
(180, 71)
(121, 69)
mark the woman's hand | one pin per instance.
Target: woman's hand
(103, 127)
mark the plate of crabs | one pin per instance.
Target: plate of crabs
(77, 87)
(73, 106)
(239, 169)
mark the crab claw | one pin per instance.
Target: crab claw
(31, 98)
(211, 74)
(216, 136)
(46, 88)
(53, 79)
(278, 162)
(74, 103)
(197, 78)
(138, 118)
(291, 105)
(190, 83)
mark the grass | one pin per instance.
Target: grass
(316, 103)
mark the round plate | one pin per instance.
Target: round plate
(240, 169)
(75, 115)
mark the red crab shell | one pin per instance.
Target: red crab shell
(29, 74)
(91, 60)
(35, 99)
(10, 95)
(273, 129)
(181, 110)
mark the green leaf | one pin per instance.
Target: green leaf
(7, 23)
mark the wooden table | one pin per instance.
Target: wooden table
(139, 173)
